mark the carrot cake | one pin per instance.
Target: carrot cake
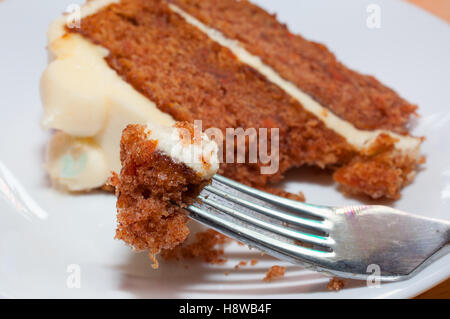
(229, 64)
(163, 170)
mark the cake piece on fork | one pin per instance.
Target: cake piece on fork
(163, 171)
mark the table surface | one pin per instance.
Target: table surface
(440, 8)
(441, 291)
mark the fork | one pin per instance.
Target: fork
(354, 242)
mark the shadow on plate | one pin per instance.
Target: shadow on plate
(185, 278)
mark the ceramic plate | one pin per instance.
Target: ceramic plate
(59, 245)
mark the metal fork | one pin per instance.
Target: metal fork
(349, 242)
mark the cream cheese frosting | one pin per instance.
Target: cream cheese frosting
(197, 152)
(85, 99)
(90, 104)
(74, 163)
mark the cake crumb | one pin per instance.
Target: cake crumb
(208, 246)
(242, 263)
(335, 284)
(274, 273)
(153, 258)
(108, 188)
(282, 193)
(111, 183)
(253, 262)
(303, 244)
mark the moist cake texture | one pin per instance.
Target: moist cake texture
(166, 51)
(360, 99)
(191, 78)
(153, 189)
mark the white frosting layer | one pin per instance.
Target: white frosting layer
(360, 139)
(86, 100)
(196, 152)
(73, 163)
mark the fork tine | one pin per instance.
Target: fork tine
(308, 209)
(273, 246)
(284, 231)
(321, 225)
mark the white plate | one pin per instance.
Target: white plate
(44, 232)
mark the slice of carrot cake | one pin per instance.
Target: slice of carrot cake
(231, 65)
(163, 170)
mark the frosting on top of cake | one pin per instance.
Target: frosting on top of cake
(185, 144)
